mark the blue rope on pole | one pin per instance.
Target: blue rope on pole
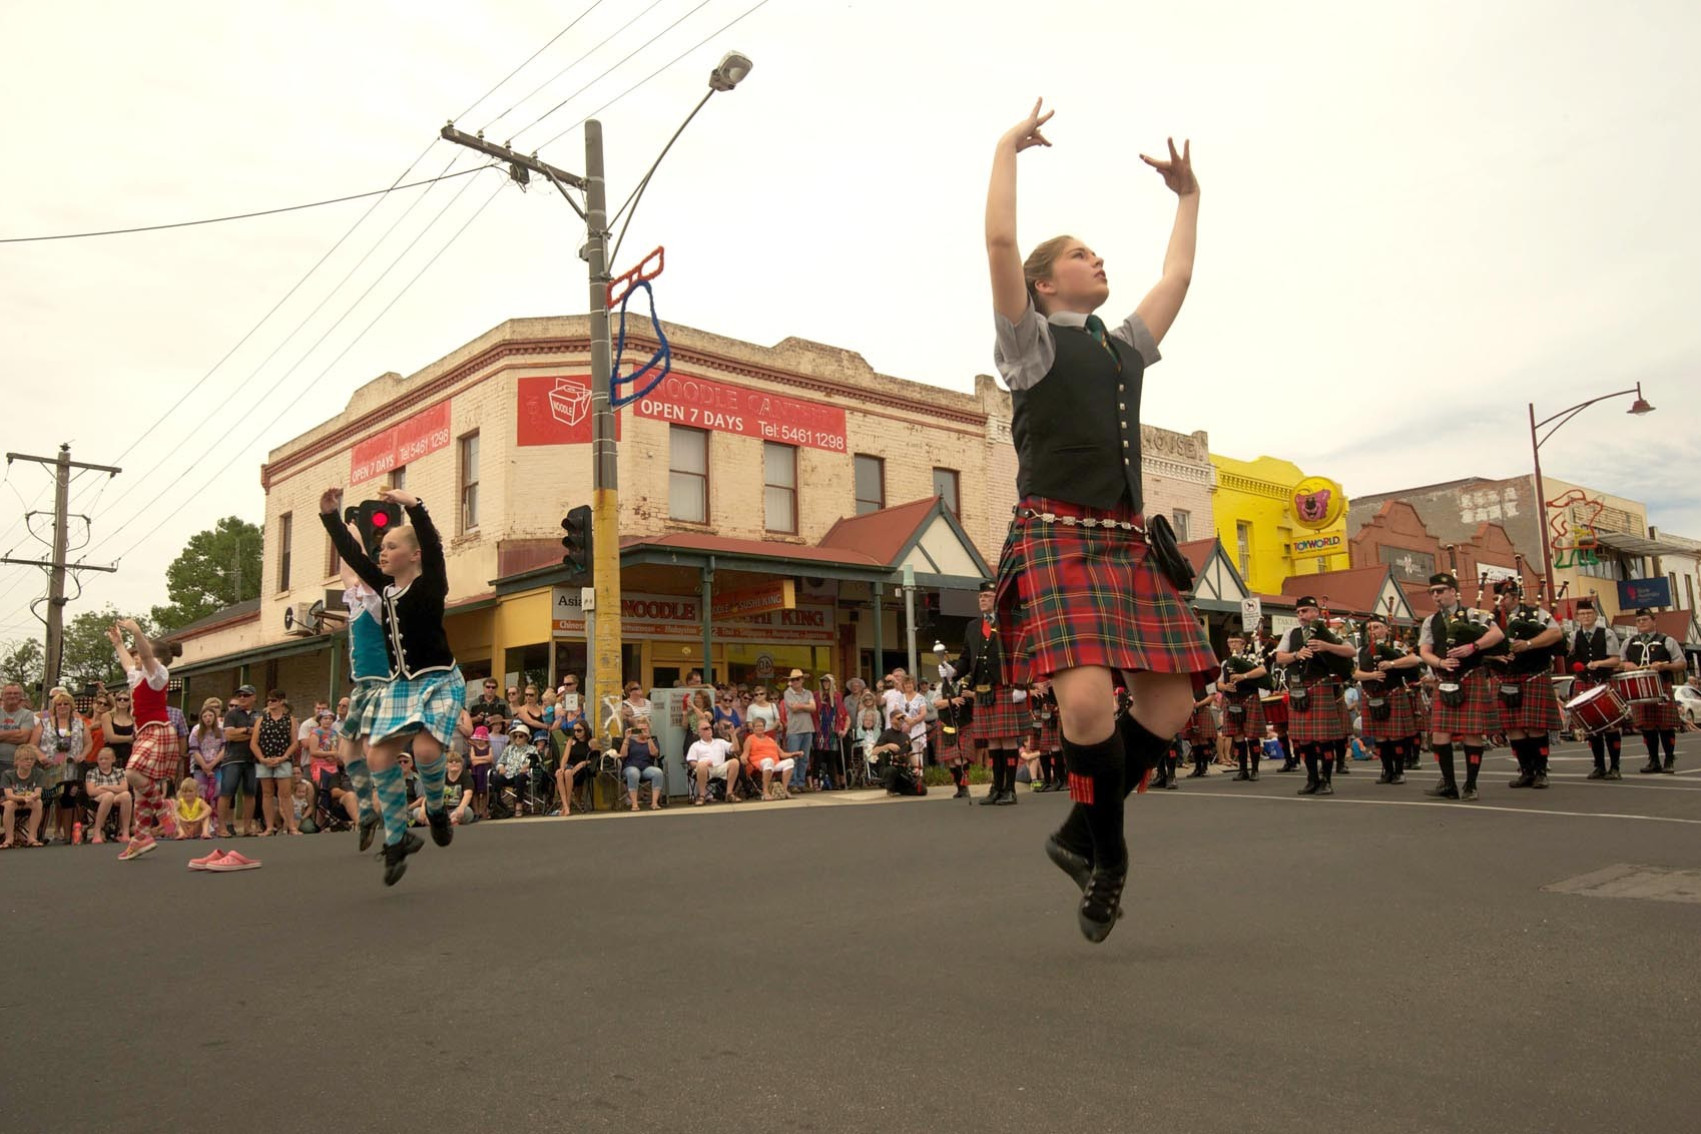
(663, 355)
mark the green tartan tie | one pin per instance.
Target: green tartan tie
(1095, 328)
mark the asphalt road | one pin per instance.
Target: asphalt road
(1365, 963)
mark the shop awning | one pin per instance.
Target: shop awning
(1640, 545)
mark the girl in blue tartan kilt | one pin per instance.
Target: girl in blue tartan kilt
(1080, 587)
(369, 672)
(421, 702)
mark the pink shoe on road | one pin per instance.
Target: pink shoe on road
(205, 860)
(232, 861)
(137, 848)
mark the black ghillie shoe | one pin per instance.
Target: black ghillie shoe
(396, 857)
(1101, 905)
(368, 827)
(442, 831)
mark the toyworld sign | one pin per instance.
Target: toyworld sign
(1313, 546)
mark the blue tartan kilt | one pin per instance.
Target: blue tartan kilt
(363, 701)
(431, 702)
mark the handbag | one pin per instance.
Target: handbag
(1166, 554)
(1452, 694)
(1379, 709)
(1511, 694)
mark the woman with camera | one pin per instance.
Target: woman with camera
(64, 743)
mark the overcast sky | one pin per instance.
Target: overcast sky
(1413, 222)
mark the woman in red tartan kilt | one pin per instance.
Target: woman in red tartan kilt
(1453, 643)
(1079, 593)
(1384, 673)
(152, 770)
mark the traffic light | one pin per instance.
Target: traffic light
(372, 518)
(577, 541)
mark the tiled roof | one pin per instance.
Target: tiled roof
(1354, 590)
(882, 534)
(248, 608)
(1198, 552)
(703, 541)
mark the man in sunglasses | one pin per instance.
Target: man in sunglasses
(489, 710)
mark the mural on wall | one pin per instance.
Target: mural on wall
(1572, 541)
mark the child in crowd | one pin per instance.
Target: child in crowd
(190, 809)
(301, 800)
(206, 750)
(458, 793)
(107, 788)
(481, 760)
(24, 789)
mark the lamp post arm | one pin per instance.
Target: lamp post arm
(644, 182)
(1568, 414)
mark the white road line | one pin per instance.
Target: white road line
(1453, 808)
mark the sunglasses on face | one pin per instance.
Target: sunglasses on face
(1438, 590)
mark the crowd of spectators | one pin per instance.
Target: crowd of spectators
(259, 768)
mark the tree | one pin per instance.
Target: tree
(217, 568)
(88, 653)
(21, 662)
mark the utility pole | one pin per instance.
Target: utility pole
(606, 670)
(56, 567)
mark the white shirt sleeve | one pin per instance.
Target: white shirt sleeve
(157, 678)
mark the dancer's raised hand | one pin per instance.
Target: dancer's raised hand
(1027, 132)
(1178, 170)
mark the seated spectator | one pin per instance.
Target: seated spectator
(458, 792)
(638, 763)
(513, 770)
(107, 788)
(869, 724)
(891, 752)
(480, 761)
(24, 787)
(300, 804)
(575, 762)
(709, 758)
(764, 759)
(193, 818)
(333, 790)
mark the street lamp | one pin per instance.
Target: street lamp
(1639, 407)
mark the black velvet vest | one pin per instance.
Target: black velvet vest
(1589, 646)
(1077, 431)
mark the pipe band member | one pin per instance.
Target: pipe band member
(1243, 679)
(1385, 674)
(1080, 595)
(1529, 708)
(1317, 659)
(1657, 721)
(1001, 716)
(422, 701)
(1594, 654)
(1454, 643)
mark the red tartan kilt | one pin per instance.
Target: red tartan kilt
(953, 746)
(156, 752)
(1538, 711)
(1324, 721)
(1202, 728)
(1658, 716)
(1075, 596)
(1402, 720)
(1003, 720)
(1047, 736)
(1478, 716)
(1252, 727)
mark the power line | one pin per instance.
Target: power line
(231, 217)
(529, 95)
(676, 59)
(693, 11)
(594, 6)
(207, 419)
(240, 452)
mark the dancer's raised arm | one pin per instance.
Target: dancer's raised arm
(1161, 305)
(1009, 288)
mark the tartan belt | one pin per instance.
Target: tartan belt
(1081, 521)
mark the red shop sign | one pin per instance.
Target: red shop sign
(699, 402)
(555, 410)
(420, 435)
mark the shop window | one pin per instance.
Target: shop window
(870, 483)
(945, 485)
(399, 478)
(1182, 521)
(779, 487)
(1243, 546)
(688, 474)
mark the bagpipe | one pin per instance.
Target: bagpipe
(1325, 665)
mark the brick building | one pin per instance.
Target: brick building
(770, 501)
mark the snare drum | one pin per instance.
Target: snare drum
(1598, 710)
(1275, 710)
(1639, 686)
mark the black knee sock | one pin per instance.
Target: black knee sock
(1007, 770)
(1386, 752)
(1142, 749)
(957, 776)
(1615, 745)
(1287, 747)
(1651, 741)
(1256, 749)
(1308, 756)
(1538, 752)
(1240, 755)
(1668, 741)
(1520, 746)
(1473, 765)
(1597, 748)
(1094, 824)
(1444, 759)
(1341, 749)
(1327, 764)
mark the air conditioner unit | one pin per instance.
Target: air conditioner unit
(300, 620)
